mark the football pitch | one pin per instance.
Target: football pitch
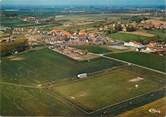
(108, 88)
(44, 65)
(61, 93)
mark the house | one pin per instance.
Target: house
(147, 50)
(133, 44)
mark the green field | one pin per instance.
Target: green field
(143, 111)
(12, 22)
(93, 48)
(45, 65)
(107, 88)
(23, 73)
(159, 34)
(128, 37)
(149, 60)
(20, 101)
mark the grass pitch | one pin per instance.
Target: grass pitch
(19, 101)
(107, 88)
(46, 65)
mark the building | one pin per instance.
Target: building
(134, 44)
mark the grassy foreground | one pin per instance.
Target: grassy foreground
(19, 101)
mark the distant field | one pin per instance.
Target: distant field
(7, 21)
(149, 60)
(159, 34)
(107, 88)
(45, 65)
(128, 37)
(159, 105)
(141, 33)
(19, 101)
(93, 48)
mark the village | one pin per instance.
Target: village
(84, 61)
(63, 41)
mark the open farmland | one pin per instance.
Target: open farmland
(20, 41)
(43, 65)
(159, 34)
(129, 37)
(158, 105)
(149, 60)
(141, 33)
(110, 87)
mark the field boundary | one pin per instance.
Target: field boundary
(122, 61)
(131, 101)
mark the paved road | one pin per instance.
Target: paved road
(154, 70)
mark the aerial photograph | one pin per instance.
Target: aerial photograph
(83, 58)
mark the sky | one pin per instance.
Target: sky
(84, 2)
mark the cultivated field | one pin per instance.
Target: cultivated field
(108, 88)
(149, 60)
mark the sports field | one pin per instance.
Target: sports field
(107, 88)
(149, 60)
(93, 48)
(27, 86)
(43, 65)
(20, 101)
(129, 37)
(145, 111)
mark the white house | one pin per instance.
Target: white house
(133, 44)
(147, 50)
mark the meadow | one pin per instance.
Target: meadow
(20, 101)
(44, 65)
(149, 60)
(129, 37)
(160, 34)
